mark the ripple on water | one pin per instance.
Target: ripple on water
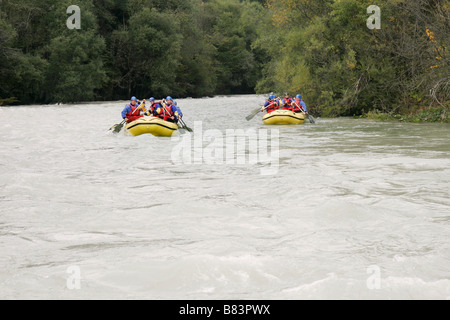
(347, 194)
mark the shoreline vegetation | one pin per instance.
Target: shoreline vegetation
(418, 115)
(323, 50)
(413, 115)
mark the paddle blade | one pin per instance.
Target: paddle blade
(185, 127)
(311, 119)
(253, 114)
(118, 128)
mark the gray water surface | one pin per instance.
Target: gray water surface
(349, 195)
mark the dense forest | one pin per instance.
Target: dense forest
(322, 49)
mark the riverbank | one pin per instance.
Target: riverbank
(413, 114)
(420, 115)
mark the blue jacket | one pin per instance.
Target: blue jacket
(179, 111)
(155, 107)
(272, 102)
(303, 104)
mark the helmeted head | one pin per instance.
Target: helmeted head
(299, 97)
(286, 95)
(272, 97)
(175, 103)
(152, 100)
(169, 100)
(134, 100)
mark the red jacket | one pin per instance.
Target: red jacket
(272, 106)
(297, 107)
(287, 104)
(132, 113)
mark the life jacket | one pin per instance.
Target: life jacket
(132, 111)
(287, 104)
(298, 107)
(273, 106)
(151, 108)
(133, 115)
(166, 112)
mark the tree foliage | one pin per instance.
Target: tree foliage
(124, 48)
(325, 50)
(321, 49)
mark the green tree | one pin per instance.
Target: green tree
(196, 72)
(8, 56)
(325, 51)
(145, 54)
(75, 67)
(234, 26)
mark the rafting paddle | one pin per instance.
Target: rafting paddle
(310, 118)
(117, 127)
(253, 114)
(184, 126)
(256, 111)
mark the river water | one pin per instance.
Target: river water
(350, 209)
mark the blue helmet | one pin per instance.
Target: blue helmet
(151, 99)
(272, 96)
(299, 96)
(169, 98)
(175, 103)
(134, 99)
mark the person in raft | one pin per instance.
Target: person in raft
(178, 109)
(299, 106)
(132, 111)
(272, 104)
(154, 105)
(286, 103)
(167, 111)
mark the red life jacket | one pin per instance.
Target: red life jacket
(132, 111)
(151, 108)
(134, 114)
(298, 107)
(166, 112)
(287, 104)
(273, 106)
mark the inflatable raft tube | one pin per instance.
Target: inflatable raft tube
(284, 117)
(152, 125)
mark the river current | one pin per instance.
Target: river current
(347, 208)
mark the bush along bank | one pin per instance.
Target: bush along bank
(416, 115)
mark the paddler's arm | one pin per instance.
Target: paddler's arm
(305, 108)
(124, 113)
(142, 106)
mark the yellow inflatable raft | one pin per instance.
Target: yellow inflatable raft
(152, 125)
(284, 117)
